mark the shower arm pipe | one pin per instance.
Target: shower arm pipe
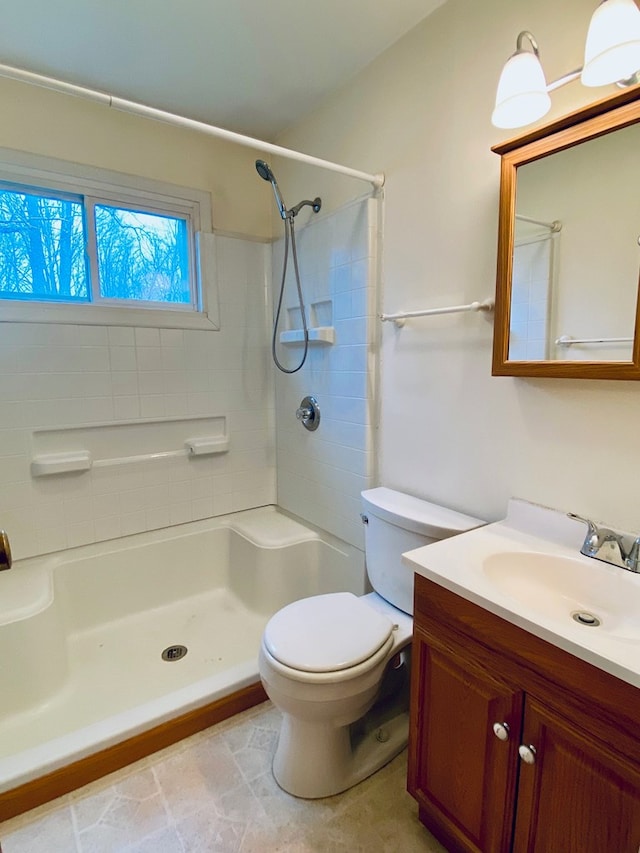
(135, 108)
(401, 316)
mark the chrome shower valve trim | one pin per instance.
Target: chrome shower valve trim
(308, 413)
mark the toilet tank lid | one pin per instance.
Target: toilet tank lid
(415, 514)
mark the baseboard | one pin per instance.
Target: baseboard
(79, 773)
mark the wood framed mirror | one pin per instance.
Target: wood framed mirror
(567, 289)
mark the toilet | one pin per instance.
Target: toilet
(337, 666)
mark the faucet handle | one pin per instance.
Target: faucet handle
(602, 543)
(595, 537)
(580, 518)
(632, 560)
(592, 536)
(609, 546)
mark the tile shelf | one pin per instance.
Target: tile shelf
(317, 335)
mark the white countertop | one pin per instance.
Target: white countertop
(458, 565)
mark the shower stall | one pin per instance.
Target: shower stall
(159, 491)
(259, 483)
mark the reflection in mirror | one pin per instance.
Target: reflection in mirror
(576, 256)
(534, 281)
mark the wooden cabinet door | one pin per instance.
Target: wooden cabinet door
(578, 796)
(462, 775)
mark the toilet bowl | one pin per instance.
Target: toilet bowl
(337, 666)
(321, 695)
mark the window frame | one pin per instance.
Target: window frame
(96, 185)
(175, 210)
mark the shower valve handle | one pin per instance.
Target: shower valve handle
(5, 552)
(308, 413)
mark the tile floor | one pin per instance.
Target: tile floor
(214, 792)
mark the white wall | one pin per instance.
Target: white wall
(450, 431)
(55, 125)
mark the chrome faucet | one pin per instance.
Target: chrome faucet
(5, 551)
(606, 545)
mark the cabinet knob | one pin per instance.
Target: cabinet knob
(527, 753)
(501, 731)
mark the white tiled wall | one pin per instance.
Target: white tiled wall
(321, 473)
(56, 376)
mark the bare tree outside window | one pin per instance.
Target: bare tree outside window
(141, 255)
(42, 247)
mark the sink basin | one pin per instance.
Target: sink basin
(527, 569)
(561, 588)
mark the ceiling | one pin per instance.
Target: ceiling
(252, 67)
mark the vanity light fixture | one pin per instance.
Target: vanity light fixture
(612, 55)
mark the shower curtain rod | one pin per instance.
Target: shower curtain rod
(554, 226)
(135, 108)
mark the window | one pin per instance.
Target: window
(41, 246)
(142, 255)
(85, 245)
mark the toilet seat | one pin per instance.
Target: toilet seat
(326, 634)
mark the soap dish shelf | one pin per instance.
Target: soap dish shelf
(317, 335)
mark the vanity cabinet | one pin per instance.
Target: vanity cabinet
(514, 744)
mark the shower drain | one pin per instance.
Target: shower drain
(172, 653)
(583, 617)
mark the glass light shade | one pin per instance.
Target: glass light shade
(522, 95)
(612, 50)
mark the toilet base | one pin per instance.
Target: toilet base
(316, 760)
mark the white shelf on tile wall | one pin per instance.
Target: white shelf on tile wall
(317, 335)
(60, 463)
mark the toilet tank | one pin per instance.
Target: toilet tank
(395, 523)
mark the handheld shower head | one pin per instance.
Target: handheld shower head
(264, 170)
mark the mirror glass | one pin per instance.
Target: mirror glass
(569, 246)
(576, 253)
